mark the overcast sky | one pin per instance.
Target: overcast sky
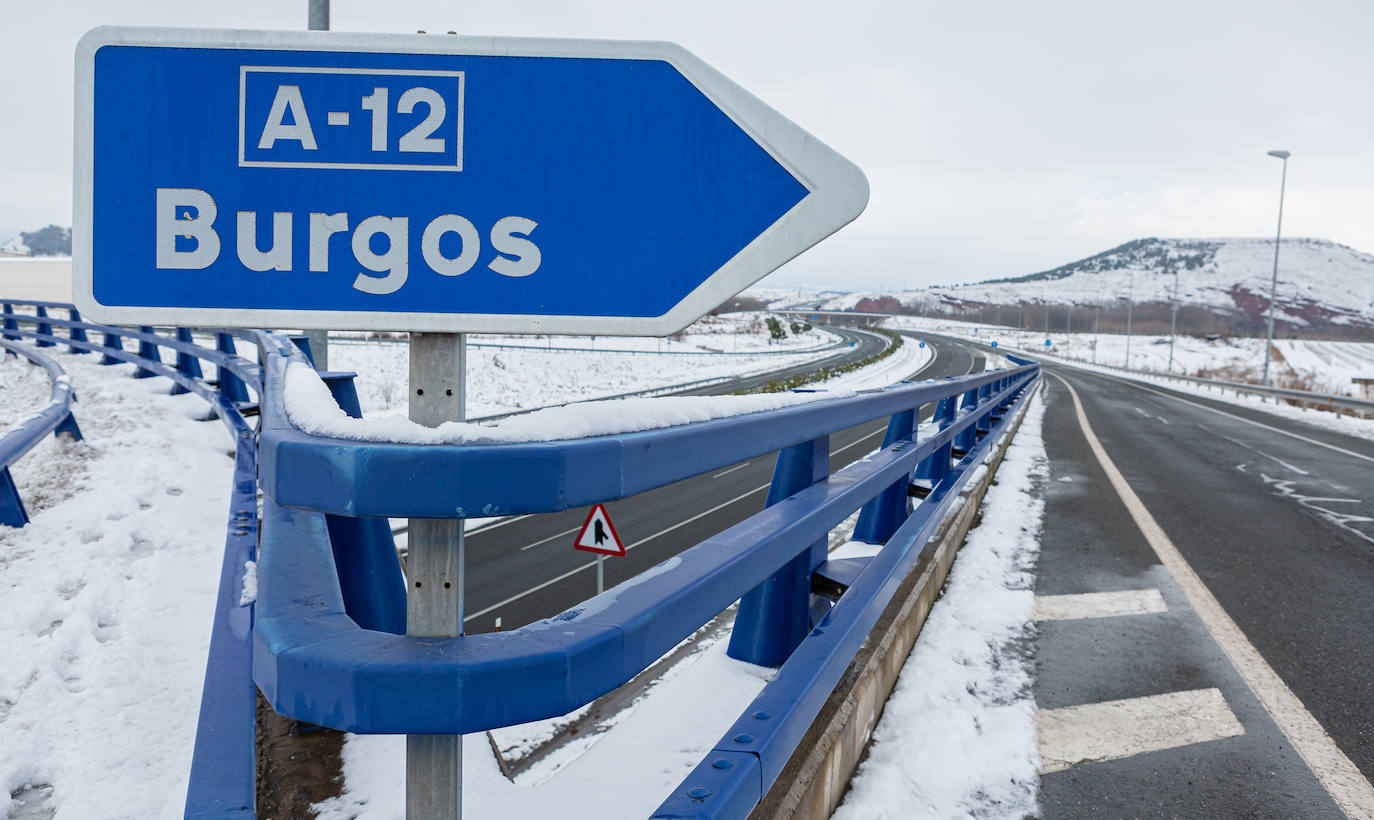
(999, 138)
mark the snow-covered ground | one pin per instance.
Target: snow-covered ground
(108, 594)
(957, 736)
(524, 372)
(106, 598)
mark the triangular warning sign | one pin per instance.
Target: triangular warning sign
(598, 534)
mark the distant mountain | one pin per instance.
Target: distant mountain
(15, 247)
(1325, 289)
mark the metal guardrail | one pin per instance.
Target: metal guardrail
(323, 638)
(322, 654)
(54, 417)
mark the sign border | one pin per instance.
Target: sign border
(838, 189)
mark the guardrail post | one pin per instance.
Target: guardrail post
(231, 387)
(44, 329)
(936, 465)
(12, 511)
(374, 590)
(68, 428)
(187, 363)
(113, 341)
(303, 342)
(76, 334)
(965, 440)
(147, 350)
(882, 516)
(983, 424)
(775, 616)
(10, 322)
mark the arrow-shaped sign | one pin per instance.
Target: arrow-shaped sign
(598, 534)
(323, 180)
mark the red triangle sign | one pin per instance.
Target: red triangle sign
(598, 534)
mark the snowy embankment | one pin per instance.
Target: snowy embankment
(957, 736)
(1307, 365)
(529, 372)
(108, 595)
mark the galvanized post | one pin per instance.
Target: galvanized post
(317, 13)
(775, 616)
(434, 564)
(600, 573)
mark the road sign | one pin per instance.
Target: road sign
(923, 344)
(1048, 343)
(431, 183)
(994, 343)
(598, 534)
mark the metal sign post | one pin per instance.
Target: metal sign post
(318, 13)
(435, 574)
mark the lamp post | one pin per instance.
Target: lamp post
(1274, 283)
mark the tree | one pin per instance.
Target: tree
(775, 330)
(49, 241)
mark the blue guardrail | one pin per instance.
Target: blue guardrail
(323, 642)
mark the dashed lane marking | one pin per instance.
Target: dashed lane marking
(1098, 605)
(1115, 729)
(1338, 775)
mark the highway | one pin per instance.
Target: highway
(1247, 681)
(524, 568)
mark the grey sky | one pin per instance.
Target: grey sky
(999, 137)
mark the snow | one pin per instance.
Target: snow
(1334, 276)
(514, 373)
(957, 737)
(624, 772)
(311, 408)
(108, 598)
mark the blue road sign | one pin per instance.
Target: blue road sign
(324, 180)
(994, 343)
(1048, 343)
(923, 344)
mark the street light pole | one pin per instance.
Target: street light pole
(1274, 283)
(1173, 323)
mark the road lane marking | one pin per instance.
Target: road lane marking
(1098, 605)
(550, 538)
(1241, 418)
(1095, 732)
(1245, 446)
(1340, 777)
(731, 470)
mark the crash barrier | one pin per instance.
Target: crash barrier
(1304, 398)
(54, 417)
(331, 601)
(223, 764)
(321, 630)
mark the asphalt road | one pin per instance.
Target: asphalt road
(524, 568)
(1277, 521)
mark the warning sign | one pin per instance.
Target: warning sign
(598, 534)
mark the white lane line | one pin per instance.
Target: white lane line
(1098, 605)
(503, 522)
(1242, 418)
(550, 538)
(1342, 780)
(1245, 446)
(732, 469)
(1115, 729)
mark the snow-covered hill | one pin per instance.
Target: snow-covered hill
(1323, 286)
